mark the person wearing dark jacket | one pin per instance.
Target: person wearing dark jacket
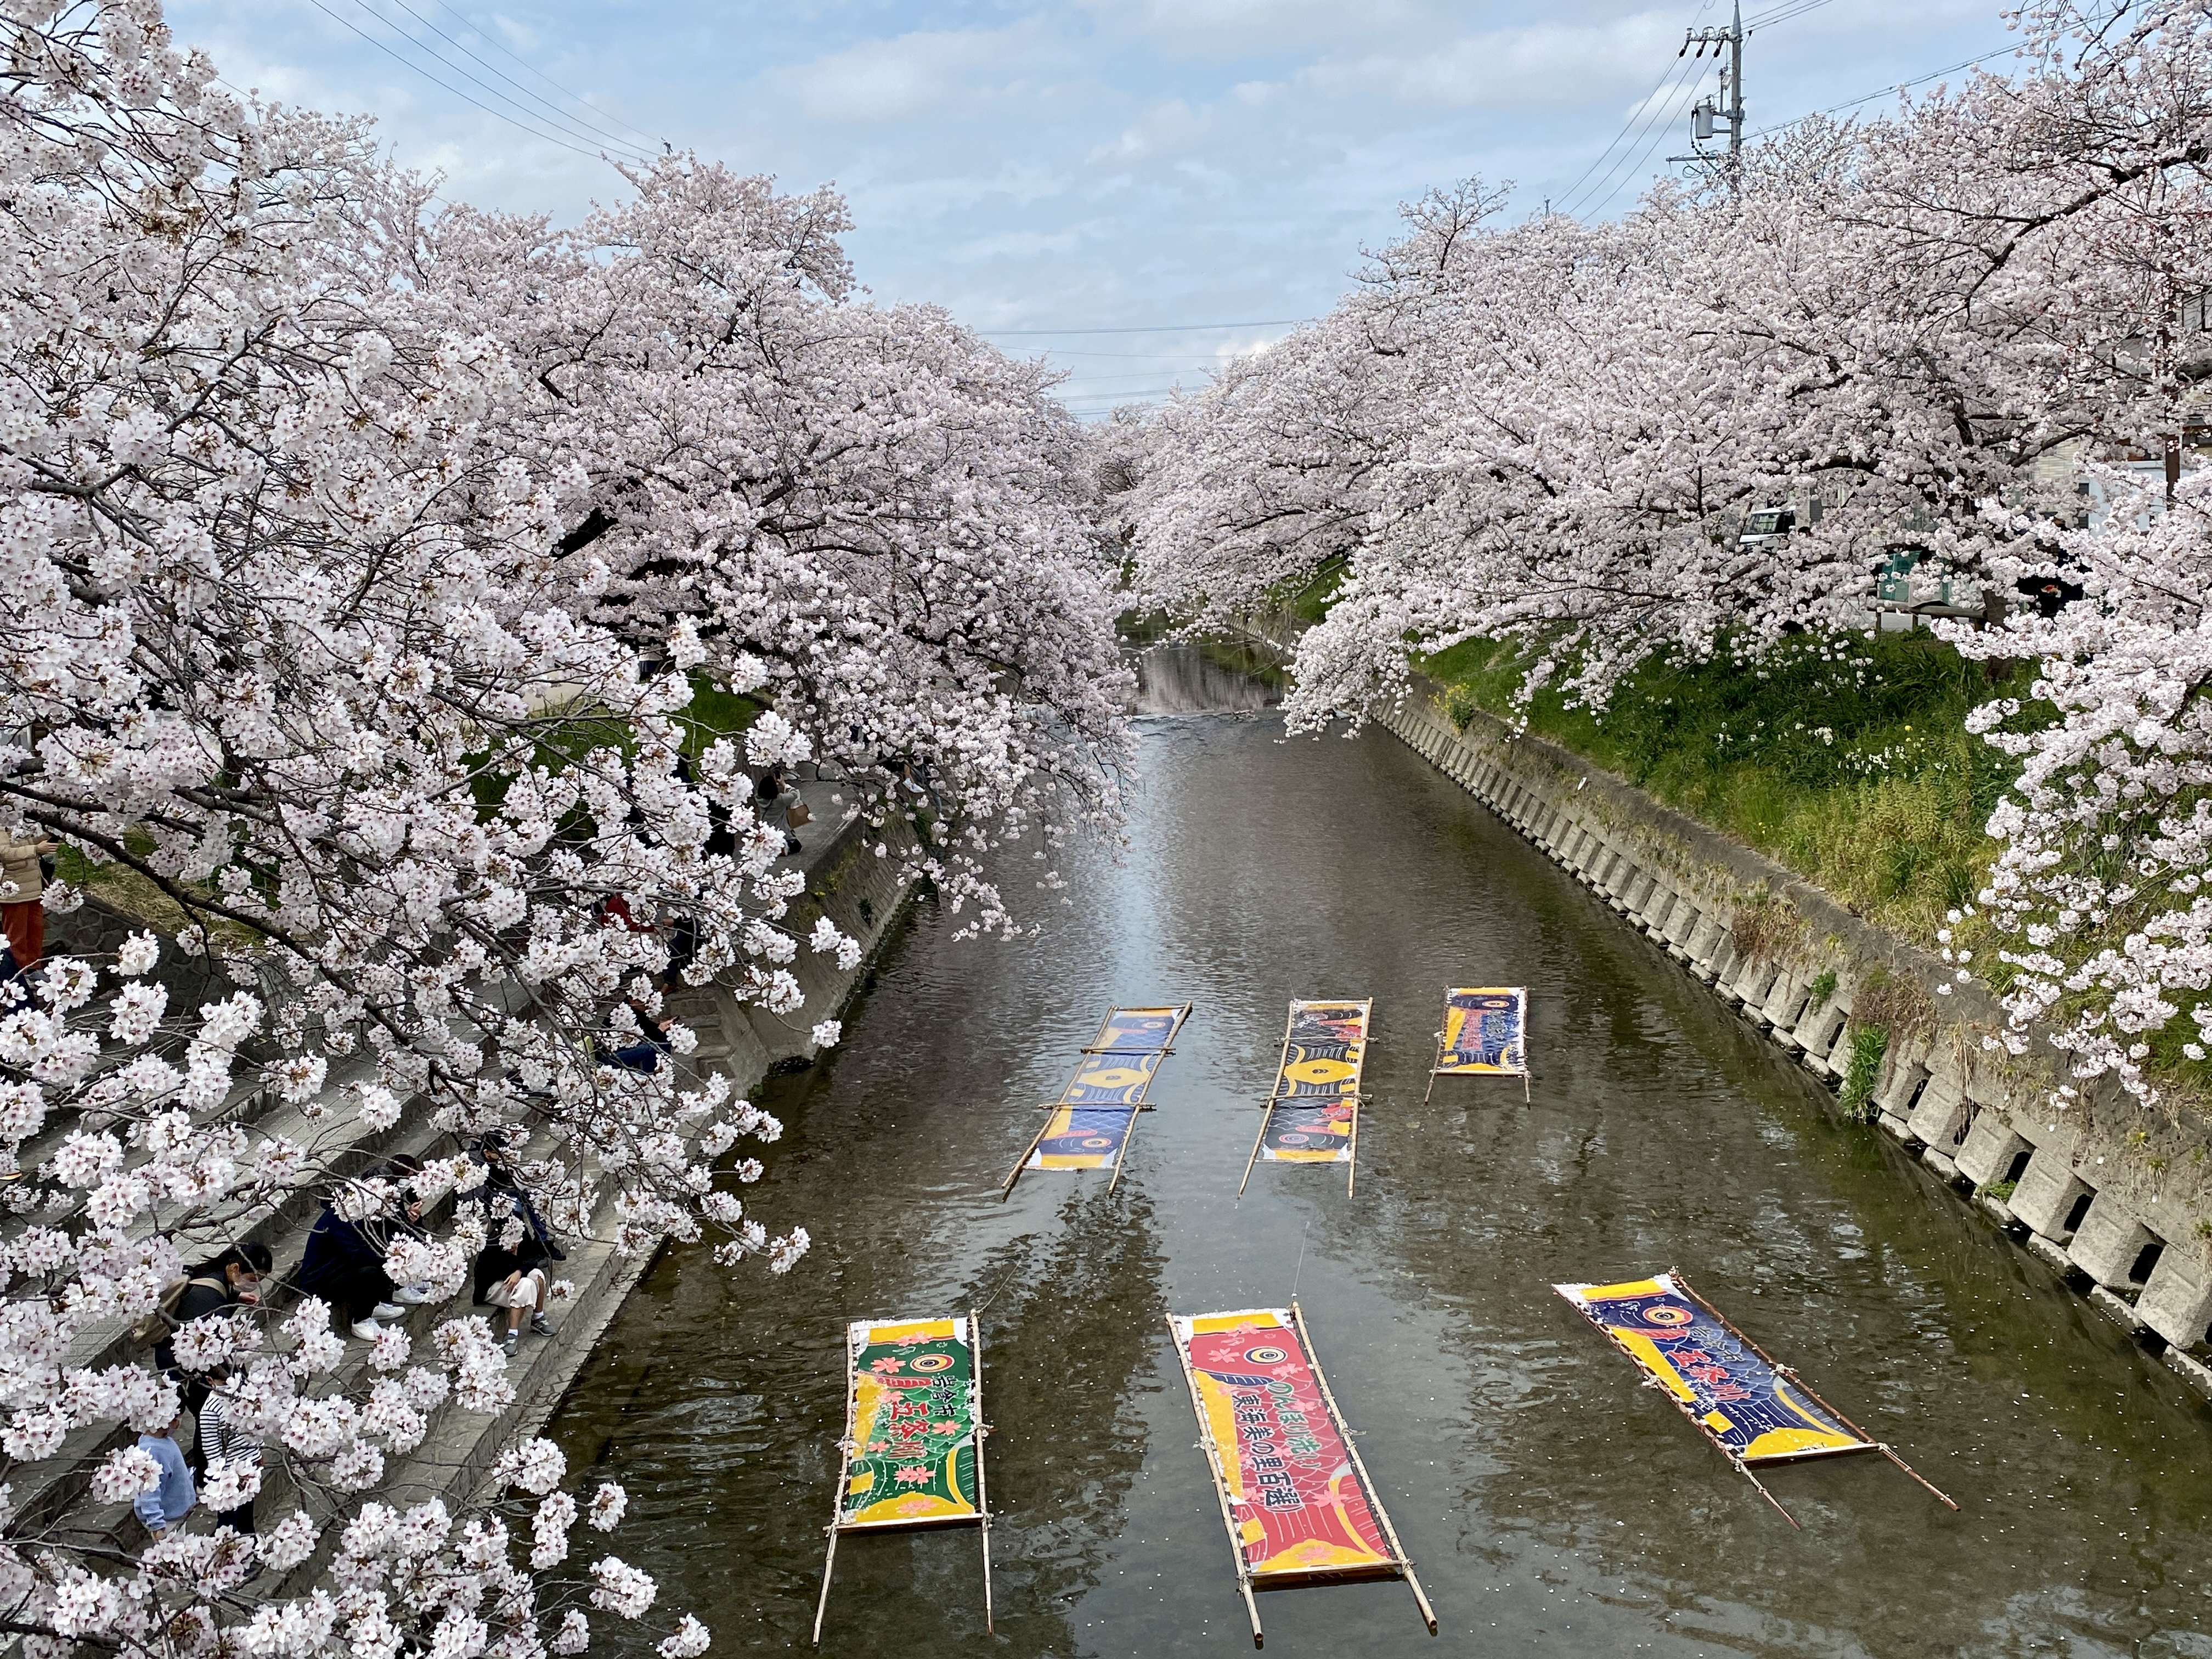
(510, 1271)
(230, 1280)
(227, 1281)
(344, 1263)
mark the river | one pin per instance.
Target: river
(1553, 1505)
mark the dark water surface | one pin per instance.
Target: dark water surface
(1553, 1505)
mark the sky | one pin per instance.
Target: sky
(1137, 188)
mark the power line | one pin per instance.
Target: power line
(531, 68)
(1656, 136)
(1195, 359)
(553, 113)
(1120, 397)
(1634, 112)
(1902, 86)
(409, 62)
(1655, 109)
(1782, 14)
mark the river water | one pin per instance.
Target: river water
(1553, 1506)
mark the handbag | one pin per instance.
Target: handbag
(797, 815)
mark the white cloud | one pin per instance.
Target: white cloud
(1541, 65)
(1170, 129)
(880, 82)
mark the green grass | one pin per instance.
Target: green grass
(1848, 760)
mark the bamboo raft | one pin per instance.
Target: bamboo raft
(912, 1454)
(1279, 1449)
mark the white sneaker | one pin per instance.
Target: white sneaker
(368, 1330)
(386, 1311)
(414, 1295)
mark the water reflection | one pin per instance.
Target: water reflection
(1198, 679)
(1554, 1506)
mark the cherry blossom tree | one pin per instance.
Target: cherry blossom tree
(361, 569)
(1914, 330)
(861, 516)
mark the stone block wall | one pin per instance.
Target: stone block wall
(2115, 1197)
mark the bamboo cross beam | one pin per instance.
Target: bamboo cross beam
(1366, 1480)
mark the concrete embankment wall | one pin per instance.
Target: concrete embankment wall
(2111, 1195)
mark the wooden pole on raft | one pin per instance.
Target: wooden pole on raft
(1744, 1469)
(837, 1501)
(982, 1496)
(1781, 1369)
(1438, 1064)
(1020, 1163)
(1881, 1446)
(1366, 1480)
(1220, 1482)
(1267, 1111)
(1352, 1163)
(1121, 1158)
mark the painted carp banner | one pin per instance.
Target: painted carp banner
(1083, 1138)
(1298, 1133)
(1138, 1030)
(1323, 1050)
(913, 1445)
(1315, 1100)
(1090, 1123)
(1298, 1506)
(1718, 1379)
(1486, 1031)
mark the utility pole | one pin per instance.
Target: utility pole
(1706, 112)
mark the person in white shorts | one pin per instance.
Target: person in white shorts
(512, 1278)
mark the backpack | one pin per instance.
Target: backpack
(161, 1323)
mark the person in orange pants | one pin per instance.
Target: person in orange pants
(22, 913)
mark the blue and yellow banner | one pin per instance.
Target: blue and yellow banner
(1323, 1051)
(1090, 1123)
(1748, 1407)
(1486, 1031)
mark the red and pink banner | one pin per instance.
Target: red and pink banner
(1298, 1506)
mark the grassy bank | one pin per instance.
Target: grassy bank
(1849, 761)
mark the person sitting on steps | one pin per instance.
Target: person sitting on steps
(227, 1281)
(510, 1273)
(165, 1503)
(779, 800)
(344, 1264)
